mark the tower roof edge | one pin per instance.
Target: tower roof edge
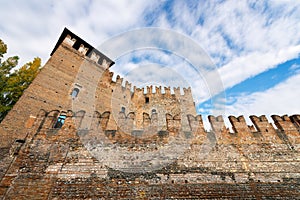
(79, 41)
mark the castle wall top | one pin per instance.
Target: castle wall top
(82, 46)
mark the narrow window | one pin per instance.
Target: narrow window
(147, 100)
(60, 121)
(75, 93)
(123, 109)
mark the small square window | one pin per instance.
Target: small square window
(75, 92)
(123, 109)
(60, 121)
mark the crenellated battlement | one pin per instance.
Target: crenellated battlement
(148, 90)
(124, 86)
(286, 132)
(82, 47)
(121, 87)
(284, 123)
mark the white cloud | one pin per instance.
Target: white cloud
(31, 28)
(252, 64)
(250, 29)
(244, 38)
(295, 67)
(281, 99)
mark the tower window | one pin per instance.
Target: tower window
(75, 92)
(153, 111)
(123, 109)
(60, 121)
(147, 100)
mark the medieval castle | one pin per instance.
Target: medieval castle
(77, 134)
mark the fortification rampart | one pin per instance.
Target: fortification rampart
(214, 157)
(286, 132)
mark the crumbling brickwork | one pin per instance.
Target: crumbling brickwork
(77, 134)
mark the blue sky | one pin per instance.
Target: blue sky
(254, 45)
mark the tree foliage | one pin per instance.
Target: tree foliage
(14, 81)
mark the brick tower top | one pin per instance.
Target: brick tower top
(82, 46)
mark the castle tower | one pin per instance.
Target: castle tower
(66, 79)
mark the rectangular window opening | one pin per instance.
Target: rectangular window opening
(147, 100)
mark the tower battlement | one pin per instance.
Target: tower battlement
(285, 131)
(70, 39)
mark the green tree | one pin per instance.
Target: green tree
(14, 81)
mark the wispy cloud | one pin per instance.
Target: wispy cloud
(281, 99)
(243, 38)
(295, 67)
(252, 64)
(32, 28)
